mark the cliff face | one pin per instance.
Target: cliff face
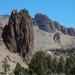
(71, 31)
(45, 23)
(60, 27)
(18, 35)
(68, 31)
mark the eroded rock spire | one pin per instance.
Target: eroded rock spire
(18, 35)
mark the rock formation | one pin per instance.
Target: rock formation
(57, 37)
(64, 30)
(18, 35)
(71, 31)
(44, 22)
(57, 25)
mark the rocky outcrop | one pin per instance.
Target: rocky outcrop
(71, 31)
(64, 30)
(3, 22)
(44, 22)
(60, 27)
(57, 25)
(18, 35)
(57, 37)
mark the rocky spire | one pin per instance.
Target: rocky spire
(18, 35)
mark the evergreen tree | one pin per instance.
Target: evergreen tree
(69, 65)
(18, 69)
(61, 65)
(39, 64)
(54, 65)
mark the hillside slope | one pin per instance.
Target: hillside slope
(44, 40)
(12, 58)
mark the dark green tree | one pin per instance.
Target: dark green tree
(18, 69)
(54, 65)
(61, 65)
(39, 64)
(21, 70)
(70, 65)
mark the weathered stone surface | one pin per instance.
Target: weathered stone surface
(71, 31)
(44, 22)
(57, 25)
(57, 37)
(64, 30)
(18, 35)
(60, 27)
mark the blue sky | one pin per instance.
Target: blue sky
(62, 11)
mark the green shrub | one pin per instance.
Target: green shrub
(70, 65)
(54, 65)
(61, 65)
(20, 70)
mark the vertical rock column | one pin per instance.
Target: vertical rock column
(18, 35)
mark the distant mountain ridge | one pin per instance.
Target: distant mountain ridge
(45, 23)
